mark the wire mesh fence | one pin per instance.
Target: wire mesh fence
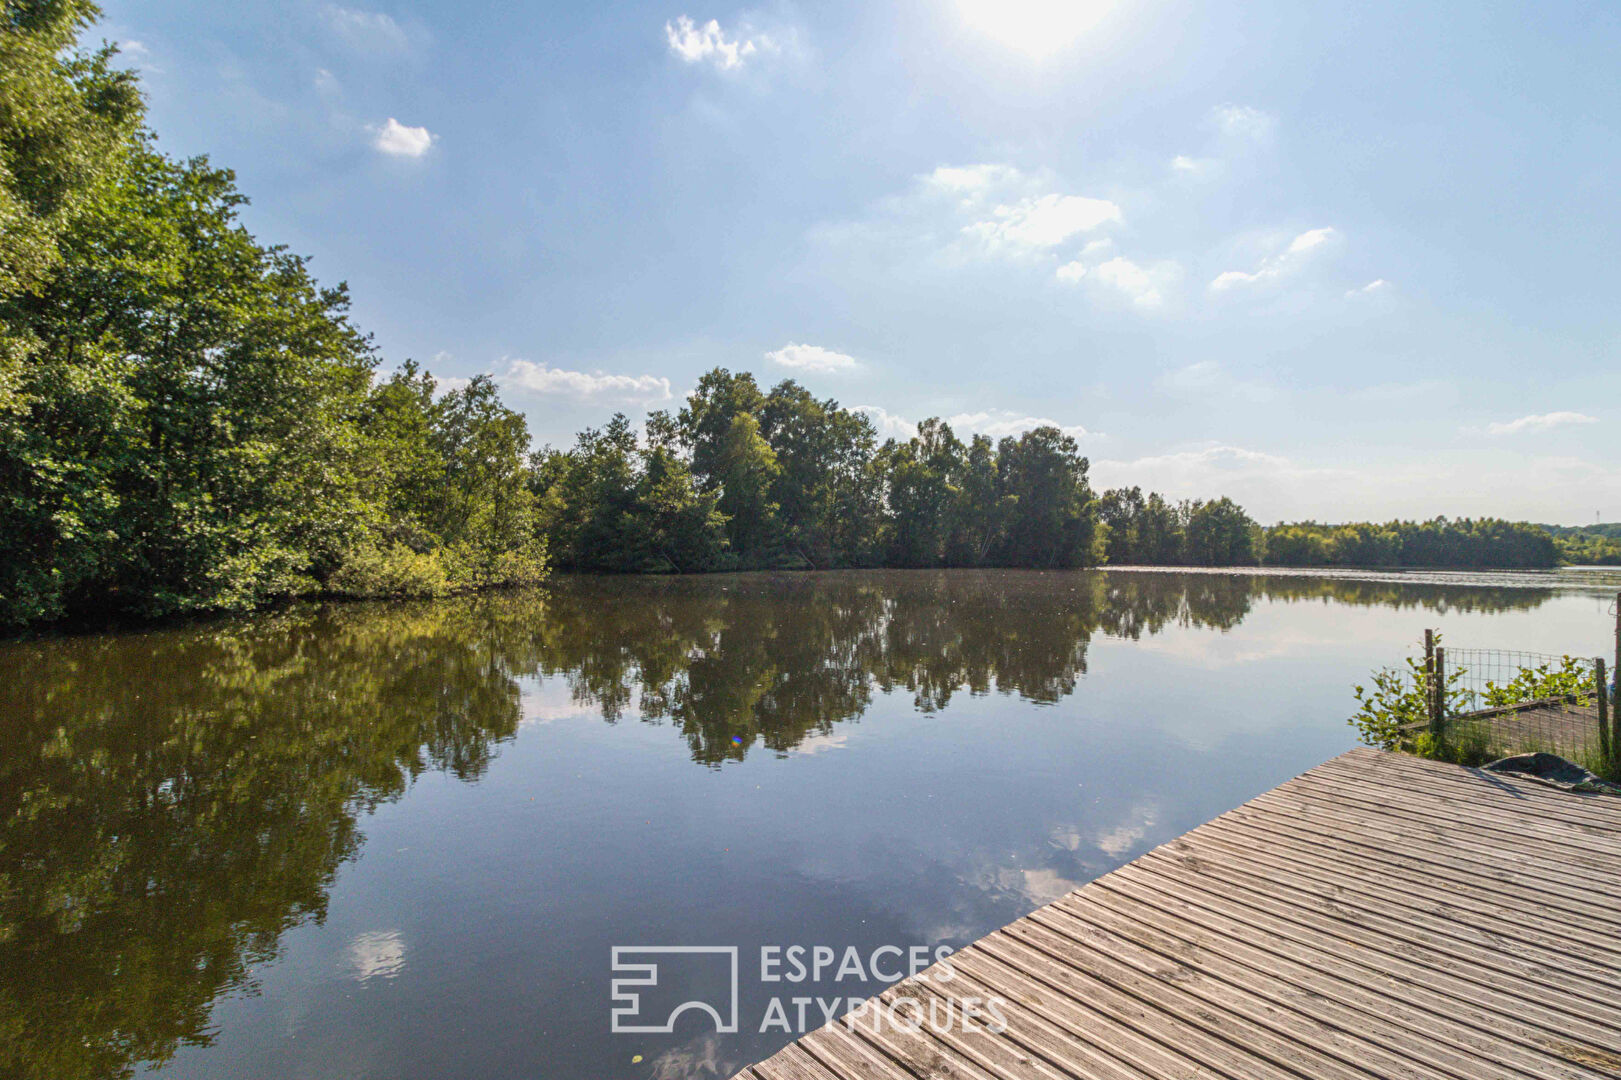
(1494, 702)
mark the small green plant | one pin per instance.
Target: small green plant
(1396, 698)
(1571, 677)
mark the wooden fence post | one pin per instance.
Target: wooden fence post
(1606, 737)
(1438, 725)
(1429, 676)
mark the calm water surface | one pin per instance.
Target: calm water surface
(401, 840)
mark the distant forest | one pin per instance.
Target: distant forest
(741, 478)
(1588, 545)
(189, 422)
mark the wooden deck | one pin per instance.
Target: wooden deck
(1378, 916)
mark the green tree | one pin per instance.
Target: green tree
(66, 121)
(747, 470)
(921, 477)
(1219, 533)
(823, 453)
(705, 421)
(1053, 521)
(187, 441)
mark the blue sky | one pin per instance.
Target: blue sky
(1336, 261)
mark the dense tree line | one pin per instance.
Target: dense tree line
(188, 421)
(742, 478)
(1588, 545)
(1467, 542)
(1152, 531)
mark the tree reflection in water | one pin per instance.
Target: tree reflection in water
(173, 801)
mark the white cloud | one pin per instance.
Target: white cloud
(708, 43)
(1540, 422)
(1245, 121)
(1143, 286)
(1042, 222)
(977, 220)
(998, 423)
(1193, 167)
(368, 31)
(138, 56)
(811, 358)
(1285, 262)
(1311, 240)
(1378, 285)
(971, 178)
(400, 140)
(995, 423)
(541, 378)
(998, 209)
(888, 424)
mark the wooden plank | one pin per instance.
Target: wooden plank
(1379, 846)
(1334, 812)
(1133, 1030)
(1320, 984)
(1400, 900)
(1336, 1028)
(1491, 797)
(1594, 815)
(1419, 877)
(1378, 916)
(792, 1063)
(1513, 981)
(1502, 791)
(1527, 971)
(1575, 842)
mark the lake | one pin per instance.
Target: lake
(403, 840)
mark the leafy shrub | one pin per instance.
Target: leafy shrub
(394, 570)
(1397, 697)
(1572, 676)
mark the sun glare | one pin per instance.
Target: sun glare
(1036, 27)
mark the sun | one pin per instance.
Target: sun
(1038, 28)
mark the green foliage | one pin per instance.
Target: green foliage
(1464, 542)
(1571, 677)
(392, 570)
(187, 419)
(1153, 532)
(1052, 516)
(1588, 545)
(740, 479)
(611, 505)
(1397, 697)
(65, 122)
(1394, 712)
(1219, 533)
